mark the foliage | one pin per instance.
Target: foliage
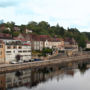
(15, 34)
(82, 41)
(6, 32)
(18, 57)
(44, 28)
(46, 51)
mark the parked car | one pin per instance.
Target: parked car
(13, 62)
(37, 59)
(20, 61)
(26, 61)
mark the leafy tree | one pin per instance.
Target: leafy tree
(11, 26)
(15, 34)
(22, 28)
(18, 57)
(6, 32)
(46, 51)
(44, 28)
(81, 41)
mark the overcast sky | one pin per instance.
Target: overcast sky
(68, 13)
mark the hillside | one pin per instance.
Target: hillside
(44, 28)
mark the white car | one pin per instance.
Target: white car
(13, 62)
(20, 61)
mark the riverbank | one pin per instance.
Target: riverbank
(14, 67)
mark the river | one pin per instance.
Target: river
(46, 78)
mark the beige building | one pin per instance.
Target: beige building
(88, 45)
(71, 46)
(2, 52)
(16, 47)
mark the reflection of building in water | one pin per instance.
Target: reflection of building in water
(2, 82)
(70, 72)
(18, 78)
(30, 78)
(38, 76)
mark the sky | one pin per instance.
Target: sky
(67, 13)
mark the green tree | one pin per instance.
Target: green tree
(15, 34)
(11, 26)
(82, 41)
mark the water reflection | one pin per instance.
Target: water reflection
(47, 78)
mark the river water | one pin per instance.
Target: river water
(47, 78)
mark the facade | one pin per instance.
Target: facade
(28, 31)
(16, 28)
(13, 79)
(55, 43)
(13, 48)
(38, 42)
(88, 45)
(2, 52)
(44, 41)
(70, 44)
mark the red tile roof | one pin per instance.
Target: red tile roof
(2, 35)
(70, 40)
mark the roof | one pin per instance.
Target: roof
(5, 36)
(35, 37)
(1, 41)
(16, 38)
(70, 40)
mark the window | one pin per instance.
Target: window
(8, 51)
(0, 52)
(19, 47)
(29, 51)
(24, 51)
(13, 51)
(14, 47)
(1, 46)
(8, 47)
(20, 51)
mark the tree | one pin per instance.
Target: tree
(6, 32)
(22, 28)
(60, 30)
(81, 41)
(11, 26)
(15, 34)
(46, 51)
(18, 57)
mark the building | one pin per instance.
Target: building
(71, 46)
(49, 42)
(88, 45)
(44, 41)
(38, 42)
(70, 43)
(28, 31)
(14, 48)
(16, 28)
(18, 78)
(5, 36)
(2, 52)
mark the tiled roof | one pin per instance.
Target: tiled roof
(35, 37)
(70, 40)
(7, 36)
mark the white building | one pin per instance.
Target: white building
(14, 48)
(28, 31)
(88, 45)
(12, 79)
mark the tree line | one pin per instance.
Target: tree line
(44, 28)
